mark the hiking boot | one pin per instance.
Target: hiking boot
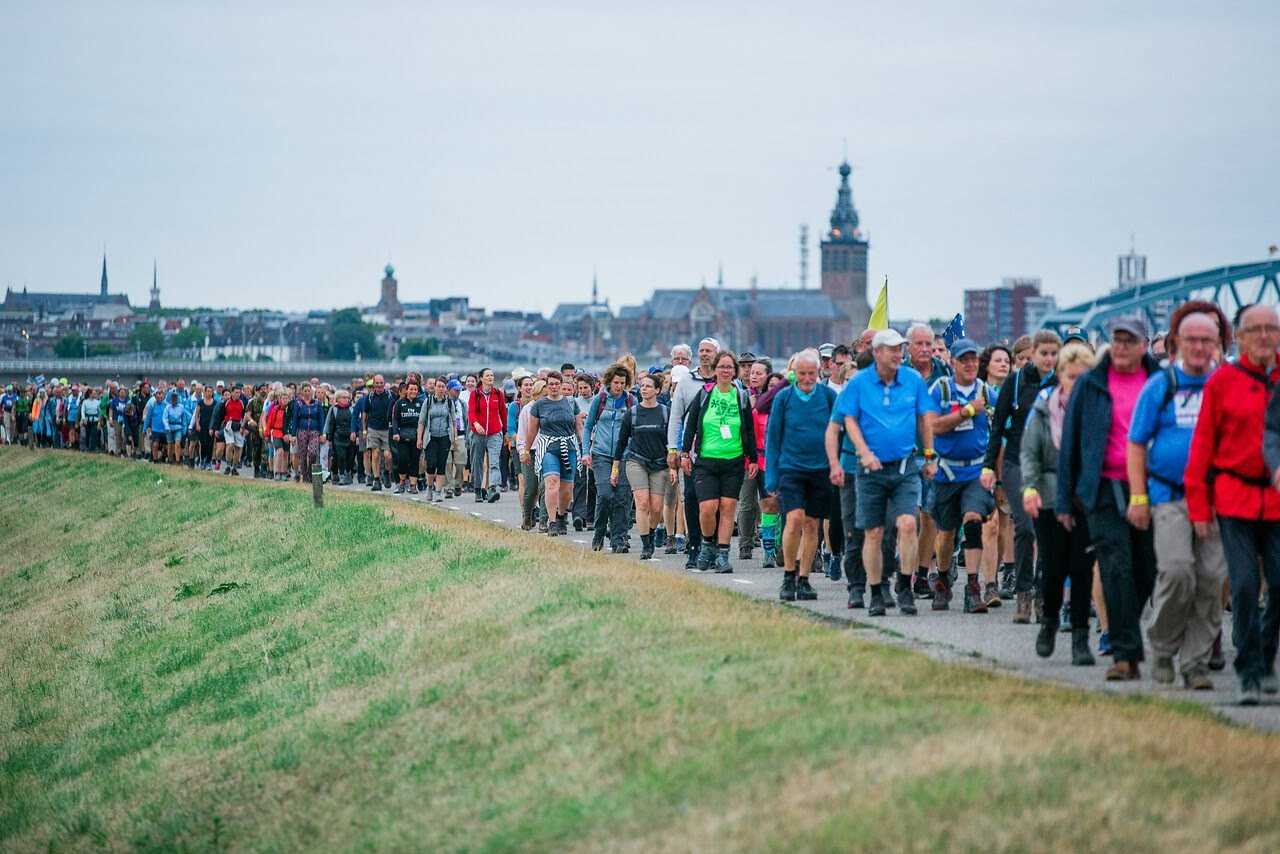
(681, 542)
(479, 496)
(1022, 609)
(941, 591)
(723, 567)
(1080, 654)
(1008, 581)
(770, 558)
(973, 603)
(646, 546)
(597, 541)
(494, 495)
(922, 589)
(422, 484)
(1197, 679)
(1123, 671)
(1217, 661)
(377, 486)
(691, 561)
(413, 488)
(856, 599)
(1163, 671)
(877, 603)
(398, 489)
(744, 551)
(804, 591)
(1250, 694)
(671, 547)
(577, 524)
(886, 592)
(659, 536)
(788, 591)
(1045, 639)
(706, 556)
(833, 567)
(992, 595)
(1269, 683)
(906, 599)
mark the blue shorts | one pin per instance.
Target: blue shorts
(173, 436)
(563, 468)
(885, 495)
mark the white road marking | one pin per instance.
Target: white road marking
(581, 542)
(742, 581)
(474, 513)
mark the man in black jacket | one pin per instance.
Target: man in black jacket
(1093, 476)
(1017, 396)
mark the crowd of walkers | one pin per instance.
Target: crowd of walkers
(1076, 481)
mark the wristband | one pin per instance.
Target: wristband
(969, 410)
(929, 453)
(1136, 500)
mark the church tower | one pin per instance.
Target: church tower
(155, 288)
(389, 304)
(103, 291)
(844, 262)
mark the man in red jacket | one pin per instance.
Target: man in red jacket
(487, 415)
(1226, 476)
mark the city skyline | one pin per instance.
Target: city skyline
(280, 159)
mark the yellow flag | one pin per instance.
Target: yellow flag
(880, 314)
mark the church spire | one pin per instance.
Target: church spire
(595, 288)
(155, 286)
(104, 273)
(844, 217)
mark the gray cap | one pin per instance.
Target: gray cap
(1134, 324)
(887, 338)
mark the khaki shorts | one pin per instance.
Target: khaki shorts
(379, 441)
(641, 479)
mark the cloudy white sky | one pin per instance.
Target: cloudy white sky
(503, 150)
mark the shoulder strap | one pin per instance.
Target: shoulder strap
(1262, 378)
(1170, 385)
(1017, 390)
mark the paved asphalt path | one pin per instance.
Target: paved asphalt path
(990, 640)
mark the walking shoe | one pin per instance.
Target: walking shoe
(1045, 640)
(671, 548)
(659, 536)
(422, 484)
(906, 599)
(1121, 671)
(804, 591)
(681, 542)
(1022, 608)
(494, 495)
(1250, 694)
(941, 591)
(770, 558)
(377, 486)
(691, 562)
(706, 556)
(886, 591)
(543, 526)
(877, 603)
(973, 603)
(744, 551)
(479, 496)
(1163, 671)
(1008, 580)
(413, 488)
(723, 567)
(1197, 679)
(1080, 654)
(619, 548)
(646, 546)
(992, 595)
(597, 542)
(922, 588)
(856, 599)
(577, 524)
(1104, 643)
(833, 567)
(1217, 661)
(788, 591)
(1269, 683)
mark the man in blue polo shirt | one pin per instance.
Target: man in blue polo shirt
(959, 499)
(884, 408)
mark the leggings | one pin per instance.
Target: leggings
(206, 445)
(406, 458)
(437, 453)
(308, 450)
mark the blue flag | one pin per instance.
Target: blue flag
(954, 330)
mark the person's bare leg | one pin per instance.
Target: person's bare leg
(551, 483)
(1099, 602)
(990, 548)
(642, 510)
(792, 534)
(908, 544)
(810, 535)
(724, 531)
(925, 552)
(871, 558)
(707, 519)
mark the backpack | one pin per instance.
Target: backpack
(603, 396)
(981, 386)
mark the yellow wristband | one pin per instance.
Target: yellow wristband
(1136, 500)
(969, 410)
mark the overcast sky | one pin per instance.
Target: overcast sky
(503, 150)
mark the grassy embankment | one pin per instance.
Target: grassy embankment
(392, 676)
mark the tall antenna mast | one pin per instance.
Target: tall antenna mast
(804, 256)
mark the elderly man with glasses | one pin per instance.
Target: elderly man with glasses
(1232, 474)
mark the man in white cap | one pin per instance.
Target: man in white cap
(883, 410)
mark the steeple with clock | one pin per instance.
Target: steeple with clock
(844, 261)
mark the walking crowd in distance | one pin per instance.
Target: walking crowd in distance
(1077, 486)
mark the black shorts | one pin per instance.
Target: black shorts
(714, 479)
(437, 453)
(952, 500)
(809, 491)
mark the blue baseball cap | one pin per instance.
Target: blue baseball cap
(963, 347)
(453, 385)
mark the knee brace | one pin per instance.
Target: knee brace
(973, 534)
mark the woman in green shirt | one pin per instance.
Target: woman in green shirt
(719, 442)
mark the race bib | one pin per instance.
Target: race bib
(725, 432)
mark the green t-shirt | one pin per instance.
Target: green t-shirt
(722, 426)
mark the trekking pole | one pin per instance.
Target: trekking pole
(317, 485)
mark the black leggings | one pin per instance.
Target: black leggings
(1065, 555)
(437, 452)
(405, 453)
(206, 445)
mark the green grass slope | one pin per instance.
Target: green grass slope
(196, 664)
